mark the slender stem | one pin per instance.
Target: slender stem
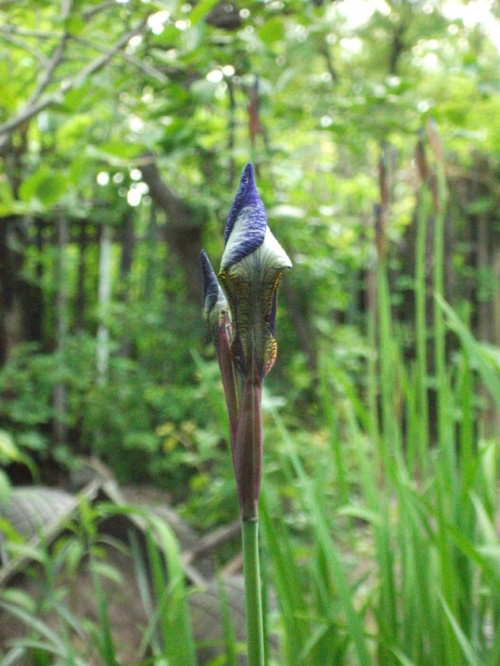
(423, 209)
(248, 449)
(253, 596)
(439, 329)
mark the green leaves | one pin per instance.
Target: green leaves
(117, 153)
(6, 199)
(10, 453)
(8, 450)
(200, 10)
(43, 188)
(272, 31)
(478, 354)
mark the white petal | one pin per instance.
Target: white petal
(269, 256)
(272, 254)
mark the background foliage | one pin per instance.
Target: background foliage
(124, 127)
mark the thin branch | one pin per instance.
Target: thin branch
(147, 69)
(31, 108)
(49, 70)
(51, 64)
(41, 57)
(24, 32)
(98, 8)
(24, 115)
(137, 62)
(398, 46)
(101, 62)
(86, 15)
(325, 52)
(212, 541)
(66, 8)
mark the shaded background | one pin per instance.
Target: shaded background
(124, 127)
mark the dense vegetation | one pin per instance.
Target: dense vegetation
(374, 128)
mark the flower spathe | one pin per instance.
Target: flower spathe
(219, 326)
(251, 269)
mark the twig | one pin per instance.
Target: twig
(325, 52)
(98, 8)
(32, 108)
(101, 62)
(49, 70)
(147, 69)
(25, 32)
(212, 541)
(41, 57)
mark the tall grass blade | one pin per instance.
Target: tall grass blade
(105, 642)
(423, 211)
(286, 580)
(13, 656)
(229, 636)
(35, 624)
(475, 351)
(328, 551)
(469, 654)
(171, 591)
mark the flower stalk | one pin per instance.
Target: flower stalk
(248, 449)
(241, 321)
(253, 594)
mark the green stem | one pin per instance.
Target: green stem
(439, 329)
(253, 596)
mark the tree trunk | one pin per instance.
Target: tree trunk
(301, 322)
(35, 306)
(10, 318)
(183, 231)
(127, 256)
(152, 238)
(80, 288)
(104, 297)
(21, 303)
(60, 392)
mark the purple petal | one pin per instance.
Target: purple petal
(246, 177)
(211, 287)
(249, 215)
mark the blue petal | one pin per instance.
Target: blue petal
(248, 215)
(211, 287)
(246, 177)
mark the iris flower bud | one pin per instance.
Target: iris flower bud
(251, 269)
